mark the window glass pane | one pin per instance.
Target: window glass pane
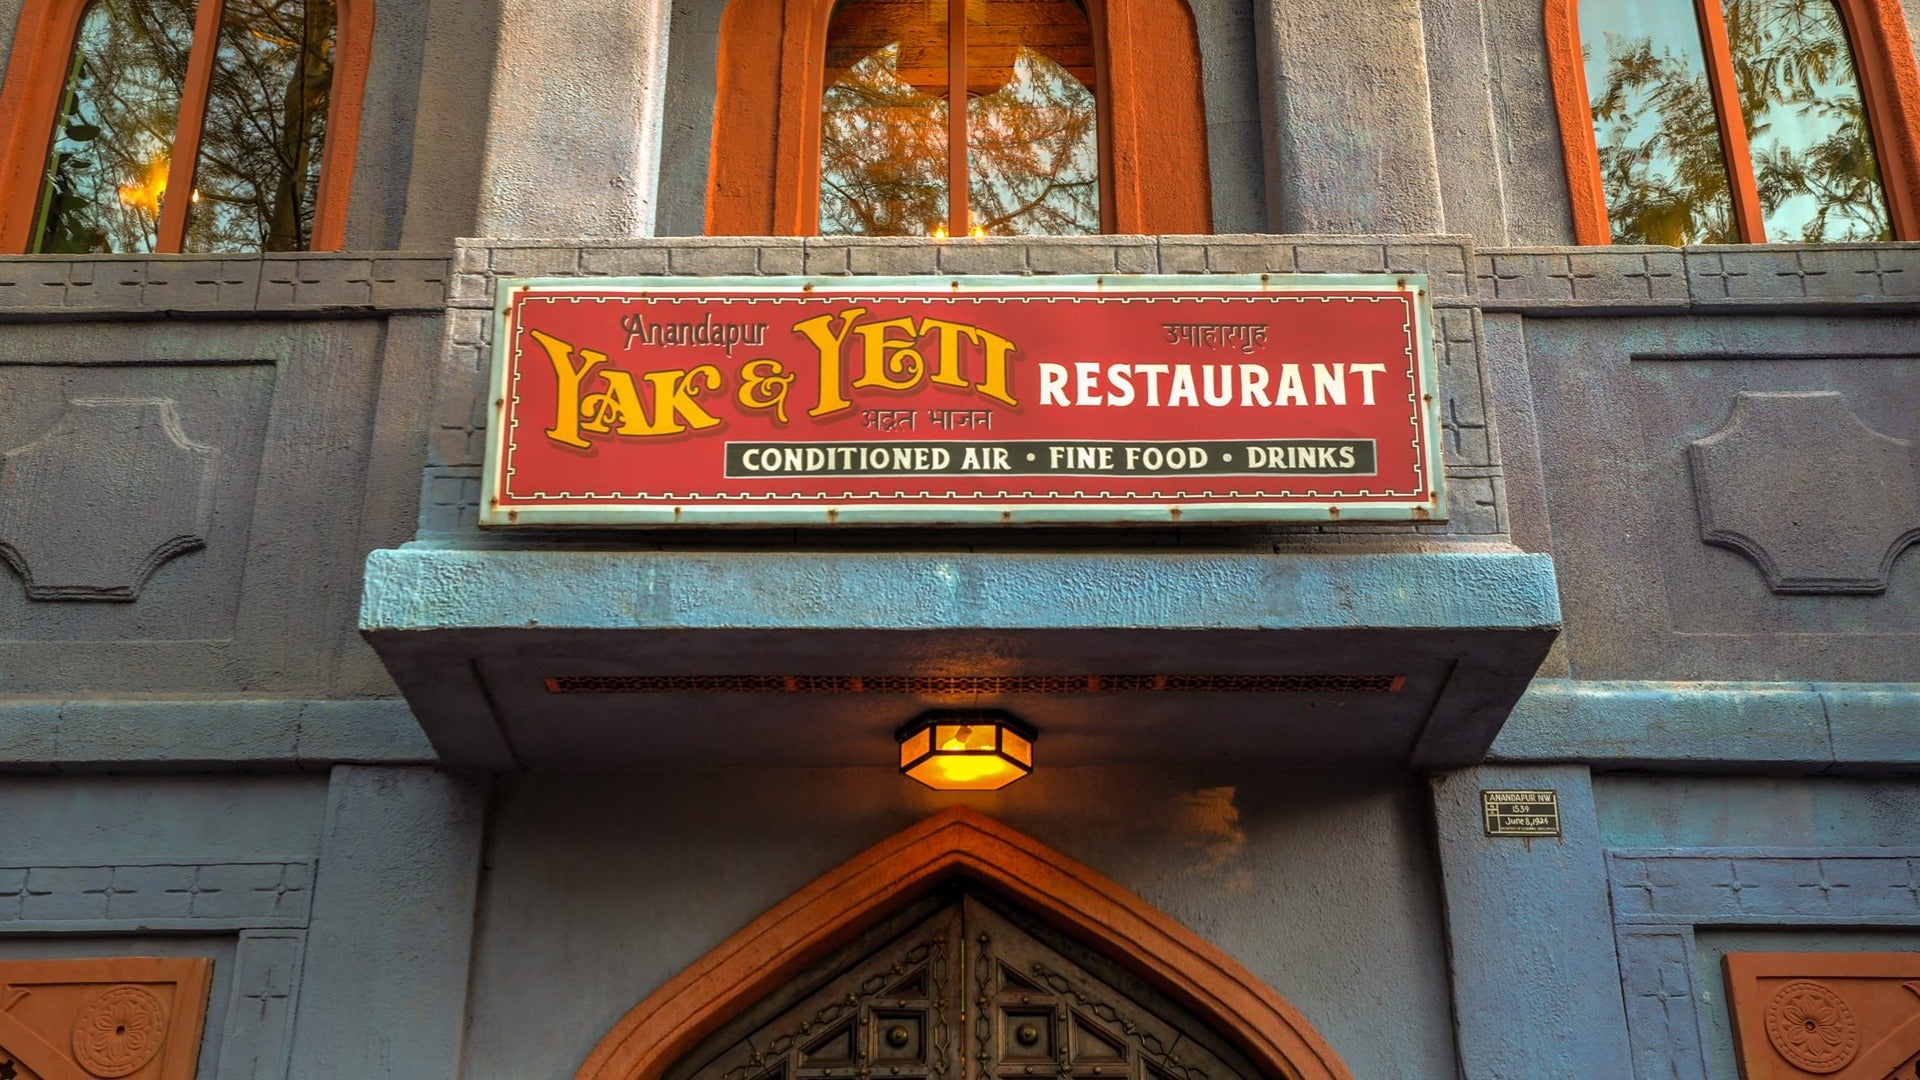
(107, 169)
(883, 125)
(259, 168)
(1032, 146)
(1812, 153)
(1660, 159)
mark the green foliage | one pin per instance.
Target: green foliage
(1813, 161)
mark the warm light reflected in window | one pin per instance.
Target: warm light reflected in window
(1031, 157)
(106, 168)
(1660, 157)
(883, 129)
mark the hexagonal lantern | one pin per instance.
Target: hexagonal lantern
(966, 749)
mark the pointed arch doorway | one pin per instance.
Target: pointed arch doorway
(892, 938)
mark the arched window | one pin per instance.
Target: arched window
(115, 109)
(1081, 116)
(1729, 121)
(896, 159)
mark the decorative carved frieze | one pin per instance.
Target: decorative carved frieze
(1765, 886)
(1819, 501)
(1851, 1016)
(123, 1018)
(156, 896)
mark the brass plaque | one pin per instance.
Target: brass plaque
(1521, 813)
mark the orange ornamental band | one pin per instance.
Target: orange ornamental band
(962, 401)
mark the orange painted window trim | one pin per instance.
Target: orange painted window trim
(833, 910)
(764, 177)
(1889, 84)
(43, 44)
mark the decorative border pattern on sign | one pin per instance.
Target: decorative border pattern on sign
(1425, 501)
(577, 498)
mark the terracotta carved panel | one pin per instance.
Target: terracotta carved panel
(124, 1018)
(1834, 1016)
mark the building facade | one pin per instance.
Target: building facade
(304, 772)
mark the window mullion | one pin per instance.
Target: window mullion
(1733, 126)
(957, 224)
(186, 134)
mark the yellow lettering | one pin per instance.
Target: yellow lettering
(617, 405)
(673, 394)
(948, 372)
(818, 330)
(994, 385)
(568, 408)
(764, 385)
(887, 362)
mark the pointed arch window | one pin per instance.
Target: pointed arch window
(1730, 121)
(180, 125)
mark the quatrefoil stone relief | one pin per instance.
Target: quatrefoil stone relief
(1818, 500)
(91, 508)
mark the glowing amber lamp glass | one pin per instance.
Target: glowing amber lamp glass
(966, 750)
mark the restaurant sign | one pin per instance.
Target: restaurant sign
(781, 401)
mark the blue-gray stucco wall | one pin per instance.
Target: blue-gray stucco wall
(221, 766)
(599, 888)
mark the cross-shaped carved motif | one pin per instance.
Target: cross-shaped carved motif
(1880, 272)
(1912, 887)
(1725, 275)
(1800, 272)
(1573, 278)
(194, 891)
(1646, 274)
(1826, 887)
(281, 888)
(1734, 886)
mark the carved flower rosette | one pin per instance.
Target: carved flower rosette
(119, 1031)
(1812, 1027)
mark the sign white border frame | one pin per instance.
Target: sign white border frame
(761, 514)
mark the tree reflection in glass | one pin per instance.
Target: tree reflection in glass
(1813, 158)
(1660, 159)
(259, 170)
(106, 171)
(1032, 162)
(883, 125)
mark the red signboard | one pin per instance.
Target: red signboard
(961, 400)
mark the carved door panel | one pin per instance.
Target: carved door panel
(890, 1016)
(967, 993)
(1034, 1012)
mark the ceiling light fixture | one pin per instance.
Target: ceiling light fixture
(966, 749)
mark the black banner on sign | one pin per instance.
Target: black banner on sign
(1048, 457)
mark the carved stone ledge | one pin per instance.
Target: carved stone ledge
(1798, 1016)
(157, 896)
(124, 1018)
(1796, 482)
(42, 287)
(90, 510)
(1655, 280)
